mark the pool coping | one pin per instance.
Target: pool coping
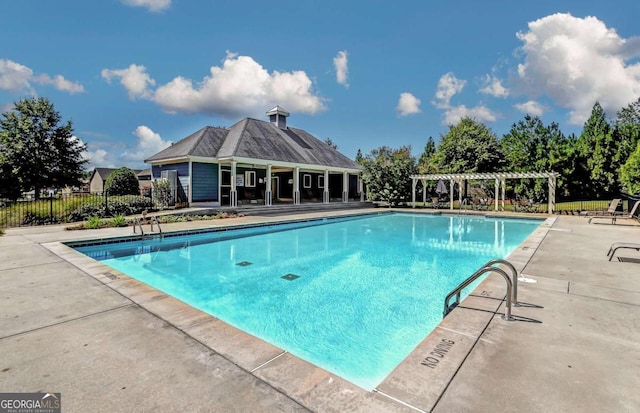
(293, 376)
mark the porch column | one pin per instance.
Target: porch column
(267, 182)
(296, 185)
(325, 190)
(233, 196)
(451, 185)
(361, 188)
(190, 188)
(414, 183)
(497, 194)
(552, 194)
(345, 186)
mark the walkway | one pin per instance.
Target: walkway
(109, 344)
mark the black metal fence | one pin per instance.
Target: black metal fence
(78, 206)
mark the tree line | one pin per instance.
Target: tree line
(600, 162)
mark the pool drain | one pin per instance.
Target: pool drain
(290, 277)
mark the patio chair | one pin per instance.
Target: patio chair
(619, 215)
(613, 206)
(621, 245)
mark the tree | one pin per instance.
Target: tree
(425, 163)
(469, 146)
(36, 151)
(329, 142)
(627, 133)
(630, 172)
(598, 151)
(387, 174)
(530, 146)
(359, 157)
(122, 181)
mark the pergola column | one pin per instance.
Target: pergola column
(552, 194)
(451, 184)
(424, 191)
(504, 185)
(268, 196)
(414, 183)
(361, 188)
(497, 194)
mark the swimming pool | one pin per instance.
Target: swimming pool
(351, 295)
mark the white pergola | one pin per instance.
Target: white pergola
(500, 182)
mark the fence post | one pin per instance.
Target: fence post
(50, 207)
(106, 202)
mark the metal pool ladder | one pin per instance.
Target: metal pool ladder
(138, 224)
(512, 287)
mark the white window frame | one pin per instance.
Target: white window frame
(306, 181)
(321, 181)
(250, 179)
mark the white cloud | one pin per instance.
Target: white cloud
(60, 83)
(576, 61)
(118, 154)
(240, 87)
(480, 113)
(149, 143)
(530, 107)
(493, 86)
(134, 79)
(16, 77)
(408, 104)
(448, 86)
(152, 5)
(342, 70)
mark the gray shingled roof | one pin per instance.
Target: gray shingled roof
(260, 140)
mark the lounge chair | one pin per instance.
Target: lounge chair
(621, 245)
(619, 215)
(613, 206)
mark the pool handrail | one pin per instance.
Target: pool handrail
(456, 291)
(514, 277)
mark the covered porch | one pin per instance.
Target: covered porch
(266, 183)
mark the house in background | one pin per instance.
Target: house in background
(257, 162)
(99, 178)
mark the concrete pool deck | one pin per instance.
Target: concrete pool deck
(109, 343)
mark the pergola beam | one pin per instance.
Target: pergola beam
(500, 180)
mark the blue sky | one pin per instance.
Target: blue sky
(135, 75)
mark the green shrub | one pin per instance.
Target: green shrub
(122, 181)
(39, 217)
(119, 221)
(162, 193)
(93, 222)
(117, 206)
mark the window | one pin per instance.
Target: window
(320, 181)
(306, 181)
(250, 178)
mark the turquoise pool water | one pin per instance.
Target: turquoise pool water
(353, 295)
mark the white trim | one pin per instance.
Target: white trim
(248, 181)
(304, 181)
(321, 185)
(290, 165)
